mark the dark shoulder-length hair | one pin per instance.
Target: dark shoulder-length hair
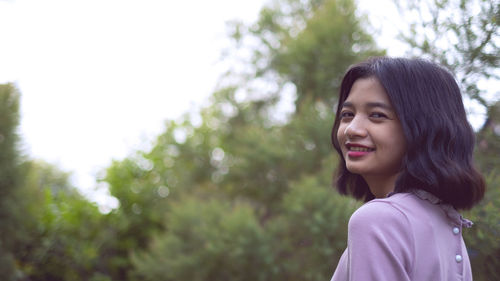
(440, 140)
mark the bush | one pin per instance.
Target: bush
(483, 239)
(211, 240)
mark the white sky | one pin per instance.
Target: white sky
(98, 78)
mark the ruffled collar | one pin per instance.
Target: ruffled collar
(450, 211)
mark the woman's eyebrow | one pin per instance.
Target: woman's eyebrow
(347, 104)
(379, 104)
(369, 104)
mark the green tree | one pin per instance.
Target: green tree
(142, 195)
(11, 215)
(462, 35)
(242, 154)
(306, 43)
(208, 240)
(488, 140)
(48, 230)
(311, 231)
(65, 229)
(483, 239)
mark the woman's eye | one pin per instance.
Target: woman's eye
(346, 114)
(378, 115)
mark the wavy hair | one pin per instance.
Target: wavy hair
(440, 140)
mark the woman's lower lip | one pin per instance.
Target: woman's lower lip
(357, 153)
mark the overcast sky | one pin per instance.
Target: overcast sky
(98, 78)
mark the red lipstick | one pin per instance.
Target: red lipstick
(357, 153)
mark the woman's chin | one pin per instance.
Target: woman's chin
(354, 169)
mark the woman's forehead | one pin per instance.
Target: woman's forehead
(367, 90)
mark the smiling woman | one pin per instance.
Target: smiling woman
(373, 136)
(405, 148)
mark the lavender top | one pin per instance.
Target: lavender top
(406, 236)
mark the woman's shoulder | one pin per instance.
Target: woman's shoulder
(385, 225)
(397, 211)
(416, 208)
(383, 213)
(385, 207)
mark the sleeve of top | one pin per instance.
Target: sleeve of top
(380, 243)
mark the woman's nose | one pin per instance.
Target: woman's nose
(356, 128)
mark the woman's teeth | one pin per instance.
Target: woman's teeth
(356, 148)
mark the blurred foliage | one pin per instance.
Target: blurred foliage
(331, 40)
(48, 230)
(240, 162)
(10, 178)
(488, 140)
(208, 240)
(483, 239)
(66, 230)
(462, 35)
(311, 231)
(243, 194)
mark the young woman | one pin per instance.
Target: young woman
(405, 149)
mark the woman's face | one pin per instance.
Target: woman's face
(370, 135)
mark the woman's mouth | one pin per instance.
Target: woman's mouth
(358, 150)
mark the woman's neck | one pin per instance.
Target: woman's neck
(380, 186)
